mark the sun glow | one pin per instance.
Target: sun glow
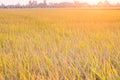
(96, 1)
(90, 1)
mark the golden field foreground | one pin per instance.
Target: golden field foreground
(59, 44)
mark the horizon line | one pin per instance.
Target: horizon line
(26, 3)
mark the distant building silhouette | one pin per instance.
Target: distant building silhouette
(117, 5)
(33, 3)
(106, 3)
(100, 4)
(76, 3)
(44, 2)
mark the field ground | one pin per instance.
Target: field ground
(59, 44)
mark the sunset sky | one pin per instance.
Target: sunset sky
(26, 1)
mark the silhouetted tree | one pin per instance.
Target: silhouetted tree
(2, 5)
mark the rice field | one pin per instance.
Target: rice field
(59, 44)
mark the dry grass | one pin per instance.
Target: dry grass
(59, 44)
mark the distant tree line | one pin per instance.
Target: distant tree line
(35, 4)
